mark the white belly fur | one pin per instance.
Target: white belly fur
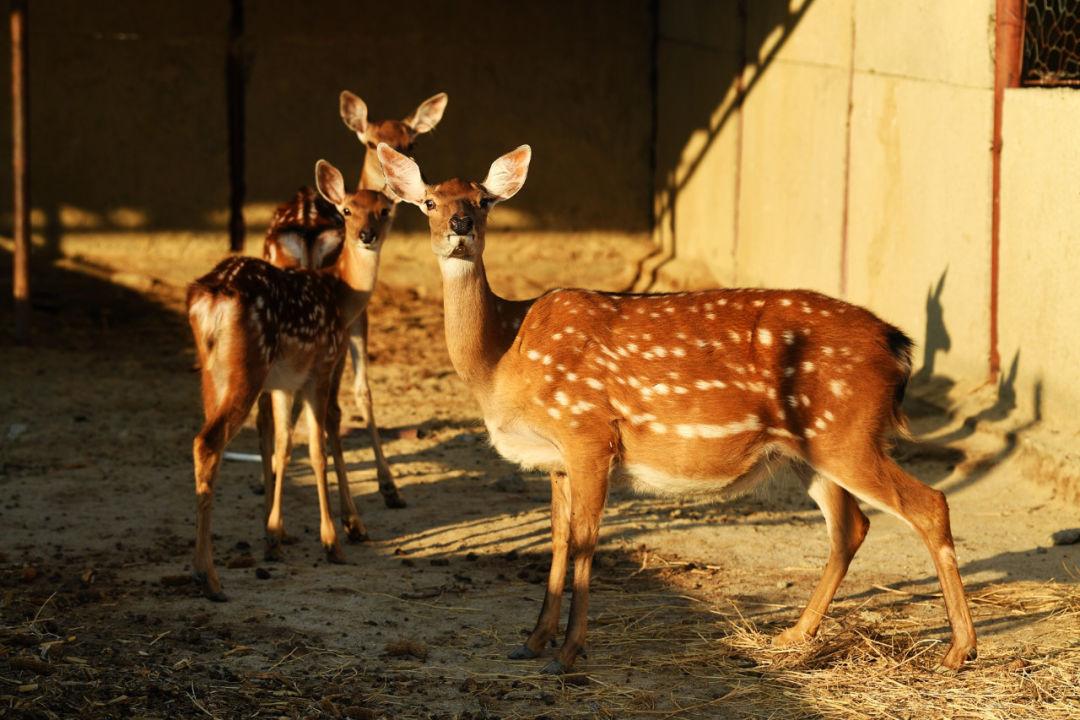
(521, 444)
(653, 481)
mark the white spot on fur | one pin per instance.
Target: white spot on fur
(594, 383)
(764, 336)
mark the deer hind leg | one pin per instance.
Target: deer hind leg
(355, 530)
(588, 478)
(221, 426)
(847, 527)
(879, 481)
(315, 400)
(280, 411)
(547, 624)
(362, 391)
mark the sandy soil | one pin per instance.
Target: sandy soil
(99, 619)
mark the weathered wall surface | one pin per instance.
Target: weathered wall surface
(128, 113)
(852, 154)
(1040, 253)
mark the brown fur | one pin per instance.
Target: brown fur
(684, 392)
(260, 328)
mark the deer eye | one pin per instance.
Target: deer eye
(346, 211)
(429, 204)
(385, 212)
(371, 144)
(487, 202)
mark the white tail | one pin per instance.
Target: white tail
(261, 329)
(687, 392)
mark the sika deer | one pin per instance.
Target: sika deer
(261, 329)
(306, 233)
(685, 392)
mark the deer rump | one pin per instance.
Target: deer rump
(283, 310)
(709, 395)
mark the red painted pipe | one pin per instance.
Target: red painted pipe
(1008, 51)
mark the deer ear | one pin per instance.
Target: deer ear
(428, 115)
(353, 112)
(403, 178)
(507, 174)
(330, 183)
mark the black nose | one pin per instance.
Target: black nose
(461, 224)
(366, 236)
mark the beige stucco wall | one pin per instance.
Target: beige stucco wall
(1040, 254)
(846, 121)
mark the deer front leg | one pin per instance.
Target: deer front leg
(362, 391)
(264, 422)
(315, 399)
(588, 479)
(355, 530)
(547, 625)
(280, 410)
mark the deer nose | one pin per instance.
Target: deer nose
(461, 224)
(367, 237)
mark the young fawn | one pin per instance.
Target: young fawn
(686, 392)
(306, 233)
(261, 329)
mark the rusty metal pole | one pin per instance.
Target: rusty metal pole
(234, 88)
(1008, 49)
(20, 169)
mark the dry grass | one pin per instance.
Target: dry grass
(861, 665)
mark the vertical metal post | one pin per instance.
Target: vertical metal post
(1008, 48)
(20, 168)
(234, 88)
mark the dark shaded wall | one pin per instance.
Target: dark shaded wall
(128, 104)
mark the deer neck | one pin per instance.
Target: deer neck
(371, 176)
(357, 269)
(473, 333)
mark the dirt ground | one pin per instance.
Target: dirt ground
(98, 617)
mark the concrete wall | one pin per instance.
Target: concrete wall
(128, 106)
(852, 154)
(1040, 254)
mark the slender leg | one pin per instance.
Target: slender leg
(264, 421)
(547, 625)
(847, 527)
(219, 429)
(358, 350)
(281, 407)
(588, 476)
(355, 530)
(315, 399)
(882, 483)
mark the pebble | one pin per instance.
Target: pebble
(1066, 537)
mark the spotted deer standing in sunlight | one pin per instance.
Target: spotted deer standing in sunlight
(687, 392)
(261, 329)
(306, 232)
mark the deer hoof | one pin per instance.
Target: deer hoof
(522, 652)
(554, 667)
(211, 590)
(789, 637)
(334, 555)
(394, 501)
(273, 552)
(355, 531)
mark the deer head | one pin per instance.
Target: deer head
(398, 134)
(457, 210)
